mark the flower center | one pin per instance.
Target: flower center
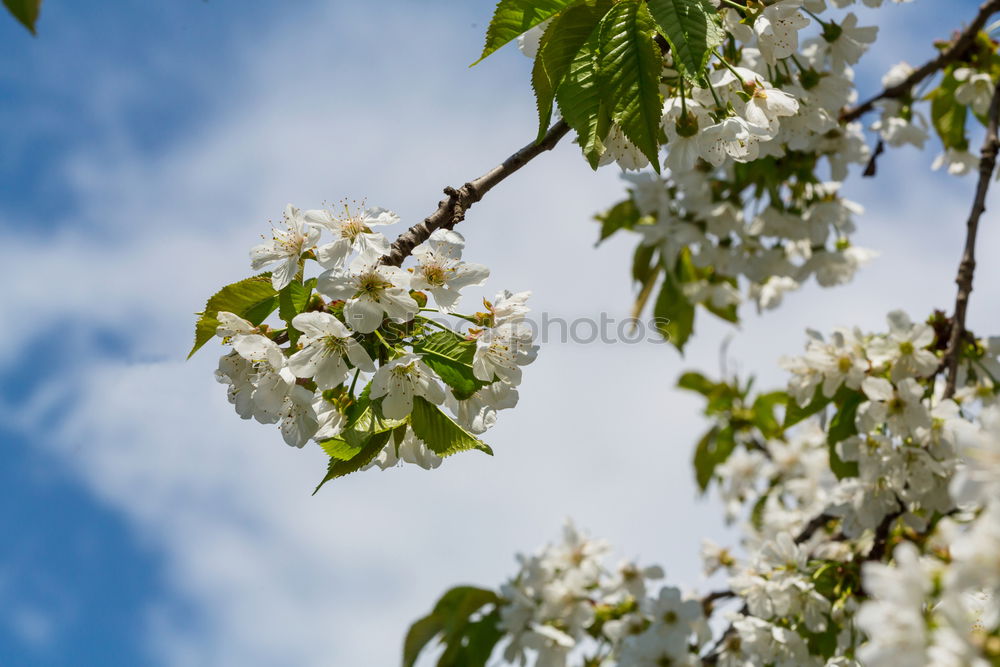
(404, 371)
(372, 284)
(352, 229)
(434, 274)
(906, 347)
(333, 346)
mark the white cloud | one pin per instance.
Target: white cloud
(273, 575)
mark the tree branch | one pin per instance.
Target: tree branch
(987, 163)
(451, 210)
(946, 57)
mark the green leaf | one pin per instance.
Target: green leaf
(450, 356)
(691, 28)
(763, 410)
(419, 635)
(338, 448)
(644, 264)
(363, 421)
(794, 413)
(673, 312)
(629, 66)
(757, 513)
(450, 618)
(842, 426)
(25, 11)
(696, 382)
(623, 215)
(823, 643)
(252, 299)
(562, 40)
(947, 115)
(481, 638)
(440, 432)
(292, 300)
(339, 468)
(513, 18)
(713, 449)
(580, 101)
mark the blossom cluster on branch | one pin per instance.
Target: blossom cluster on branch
(353, 360)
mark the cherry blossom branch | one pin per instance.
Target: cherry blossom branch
(946, 57)
(967, 267)
(451, 210)
(708, 601)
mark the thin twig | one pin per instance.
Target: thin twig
(709, 599)
(810, 528)
(451, 210)
(946, 57)
(880, 544)
(967, 267)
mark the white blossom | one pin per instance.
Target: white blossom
(400, 380)
(371, 291)
(285, 248)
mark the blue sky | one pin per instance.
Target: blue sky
(145, 146)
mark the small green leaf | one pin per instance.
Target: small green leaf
(252, 299)
(696, 382)
(481, 638)
(947, 115)
(691, 28)
(450, 618)
(292, 300)
(420, 635)
(629, 67)
(763, 410)
(339, 468)
(823, 643)
(842, 426)
(673, 312)
(644, 264)
(450, 356)
(713, 449)
(513, 18)
(757, 513)
(338, 448)
(795, 413)
(25, 11)
(623, 215)
(440, 432)
(562, 40)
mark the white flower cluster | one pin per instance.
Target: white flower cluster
(939, 603)
(774, 250)
(361, 320)
(928, 464)
(564, 602)
(905, 437)
(773, 103)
